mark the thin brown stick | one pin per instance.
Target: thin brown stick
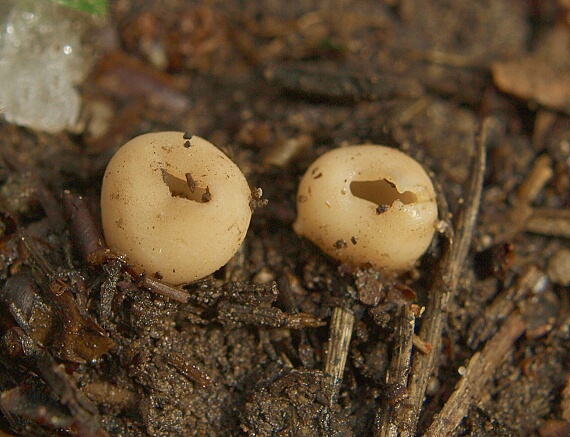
(540, 173)
(342, 322)
(397, 376)
(425, 365)
(175, 293)
(503, 305)
(481, 368)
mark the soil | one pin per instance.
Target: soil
(473, 341)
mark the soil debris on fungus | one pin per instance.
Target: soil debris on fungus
(470, 339)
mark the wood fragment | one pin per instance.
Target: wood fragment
(342, 322)
(86, 233)
(550, 222)
(285, 150)
(503, 305)
(127, 77)
(418, 106)
(421, 345)
(397, 376)
(516, 219)
(78, 413)
(76, 336)
(110, 394)
(175, 293)
(424, 366)
(480, 369)
(320, 81)
(540, 173)
(558, 267)
(187, 369)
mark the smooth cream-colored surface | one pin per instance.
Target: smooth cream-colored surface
(181, 236)
(338, 207)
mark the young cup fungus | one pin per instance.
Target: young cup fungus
(174, 205)
(367, 205)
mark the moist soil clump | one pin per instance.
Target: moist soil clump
(283, 340)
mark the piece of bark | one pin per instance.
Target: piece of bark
(480, 369)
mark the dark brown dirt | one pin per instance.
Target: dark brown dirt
(90, 348)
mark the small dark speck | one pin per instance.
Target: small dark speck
(187, 135)
(158, 275)
(187, 144)
(381, 209)
(302, 199)
(320, 175)
(340, 244)
(354, 240)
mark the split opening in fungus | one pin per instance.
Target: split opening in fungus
(381, 192)
(186, 189)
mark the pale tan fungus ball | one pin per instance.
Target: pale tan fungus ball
(367, 205)
(176, 207)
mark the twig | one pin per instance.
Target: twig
(481, 368)
(521, 216)
(175, 293)
(551, 222)
(424, 365)
(503, 305)
(342, 322)
(397, 376)
(421, 345)
(540, 173)
(189, 370)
